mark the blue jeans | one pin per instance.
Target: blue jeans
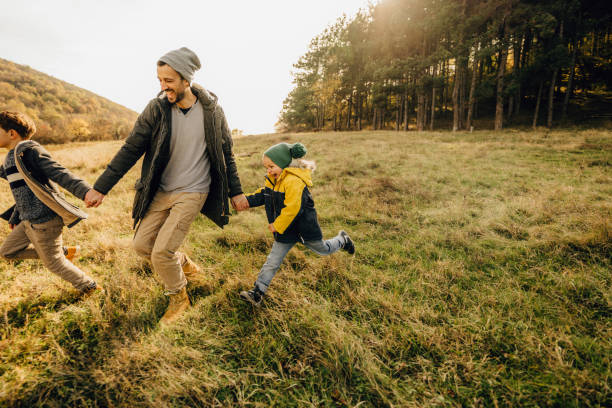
(280, 250)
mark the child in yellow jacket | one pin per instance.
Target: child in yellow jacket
(291, 214)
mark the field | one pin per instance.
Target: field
(482, 278)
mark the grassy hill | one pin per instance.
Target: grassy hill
(482, 278)
(62, 112)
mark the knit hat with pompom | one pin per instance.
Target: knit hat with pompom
(282, 154)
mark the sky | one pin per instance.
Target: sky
(247, 48)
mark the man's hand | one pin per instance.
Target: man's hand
(240, 202)
(93, 198)
(271, 228)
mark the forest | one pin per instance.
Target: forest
(457, 64)
(62, 112)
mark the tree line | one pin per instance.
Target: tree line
(457, 64)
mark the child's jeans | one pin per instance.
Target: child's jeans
(44, 241)
(280, 250)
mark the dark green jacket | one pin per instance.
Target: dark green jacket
(151, 137)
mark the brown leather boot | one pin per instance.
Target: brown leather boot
(190, 268)
(179, 303)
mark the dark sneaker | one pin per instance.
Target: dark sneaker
(92, 289)
(252, 296)
(348, 246)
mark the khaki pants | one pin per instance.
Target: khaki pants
(46, 240)
(162, 231)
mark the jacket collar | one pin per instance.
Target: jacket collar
(304, 174)
(24, 145)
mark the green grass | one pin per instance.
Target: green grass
(482, 278)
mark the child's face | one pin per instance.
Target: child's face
(273, 170)
(7, 138)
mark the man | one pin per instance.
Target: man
(188, 168)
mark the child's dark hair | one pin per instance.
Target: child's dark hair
(19, 122)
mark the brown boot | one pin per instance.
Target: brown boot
(190, 269)
(71, 251)
(179, 303)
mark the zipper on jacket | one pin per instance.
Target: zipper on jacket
(273, 200)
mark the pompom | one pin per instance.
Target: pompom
(297, 150)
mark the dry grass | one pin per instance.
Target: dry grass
(482, 278)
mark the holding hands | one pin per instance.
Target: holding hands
(239, 202)
(93, 198)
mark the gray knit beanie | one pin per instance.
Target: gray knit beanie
(184, 61)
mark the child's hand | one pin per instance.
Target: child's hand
(243, 208)
(239, 202)
(93, 198)
(271, 228)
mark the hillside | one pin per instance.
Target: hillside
(482, 278)
(62, 112)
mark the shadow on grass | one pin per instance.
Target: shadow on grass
(244, 245)
(142, 270)
(26, 310)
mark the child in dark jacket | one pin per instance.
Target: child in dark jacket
(291, 213)
(40, 211)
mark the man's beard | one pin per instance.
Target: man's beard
(179, 96)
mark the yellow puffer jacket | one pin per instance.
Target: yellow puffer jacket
(289, 205)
